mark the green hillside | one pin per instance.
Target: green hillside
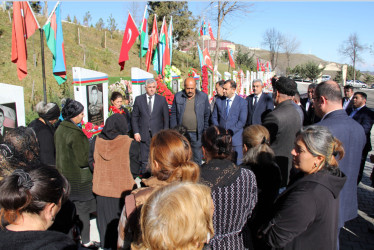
(88, 54)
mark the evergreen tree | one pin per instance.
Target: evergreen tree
(36, 6)
(184, 24)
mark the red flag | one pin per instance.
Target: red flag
(131, 33)
(207, 59)
(231, 59)
(165, 46)
(211, 32)
(152, 41)
(24, 26)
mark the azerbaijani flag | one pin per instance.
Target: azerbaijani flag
(164, 47)
(171, 38)
(144, 34)
(201, 57)
(55, 42)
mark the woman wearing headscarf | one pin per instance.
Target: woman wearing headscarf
(45, 130)
(112, 153)
(72, 161)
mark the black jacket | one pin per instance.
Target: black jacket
(35, 240)
(306, 213)
(45, 135)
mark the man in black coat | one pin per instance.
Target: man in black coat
(328, 106)
(347, 101)
(307, 103)
(283, 123)
(258, 103)
(363, 115)
(150, 114)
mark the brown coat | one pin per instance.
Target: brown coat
(112, 175)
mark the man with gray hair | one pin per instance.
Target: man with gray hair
(259, 103)
(150, 114)
(328, 106)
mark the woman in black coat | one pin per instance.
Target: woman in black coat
(44, 129)
(306, 213)
(259, 157)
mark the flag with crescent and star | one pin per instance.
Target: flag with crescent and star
(207, 59)
(131, 33)
(24, 26)
(231, 57)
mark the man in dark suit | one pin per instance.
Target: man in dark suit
(3, 129)
(191, 109)
(231, 113)
(307, 103)
(283, 123)
(347, 101)
(258, 103)
(363, 115)
(150, 114)
(328, 106)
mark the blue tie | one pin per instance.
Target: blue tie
(227, 107)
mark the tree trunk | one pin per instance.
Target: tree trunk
(218, 38)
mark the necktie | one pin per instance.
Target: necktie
(150, 104)
(227, 107)
(255, 103)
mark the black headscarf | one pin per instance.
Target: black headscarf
(71, 109)
(115, 125)
(51, 114)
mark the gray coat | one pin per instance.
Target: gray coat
(283, 123)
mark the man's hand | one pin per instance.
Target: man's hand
(137, 137)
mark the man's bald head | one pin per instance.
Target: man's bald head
(190, 87)
(330, 90)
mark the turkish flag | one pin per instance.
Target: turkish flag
(24, 26)
(207, 59)
(131, 33)
(231, 59)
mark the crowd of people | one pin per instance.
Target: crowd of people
(272, 171)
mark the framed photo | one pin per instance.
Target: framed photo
(95, 103)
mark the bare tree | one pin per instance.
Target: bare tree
(87, 18)
(135, 8)
(226, 9)
(112, 25)
(273, 39)
(45, 9)
(290, 46)
(100, 24)
(352, 48)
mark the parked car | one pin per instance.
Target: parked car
(356, 84)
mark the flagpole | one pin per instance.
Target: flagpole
(141, 29)
(42, 53)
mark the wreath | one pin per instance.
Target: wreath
(164, 91)
(168, 79)
(204, 86)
